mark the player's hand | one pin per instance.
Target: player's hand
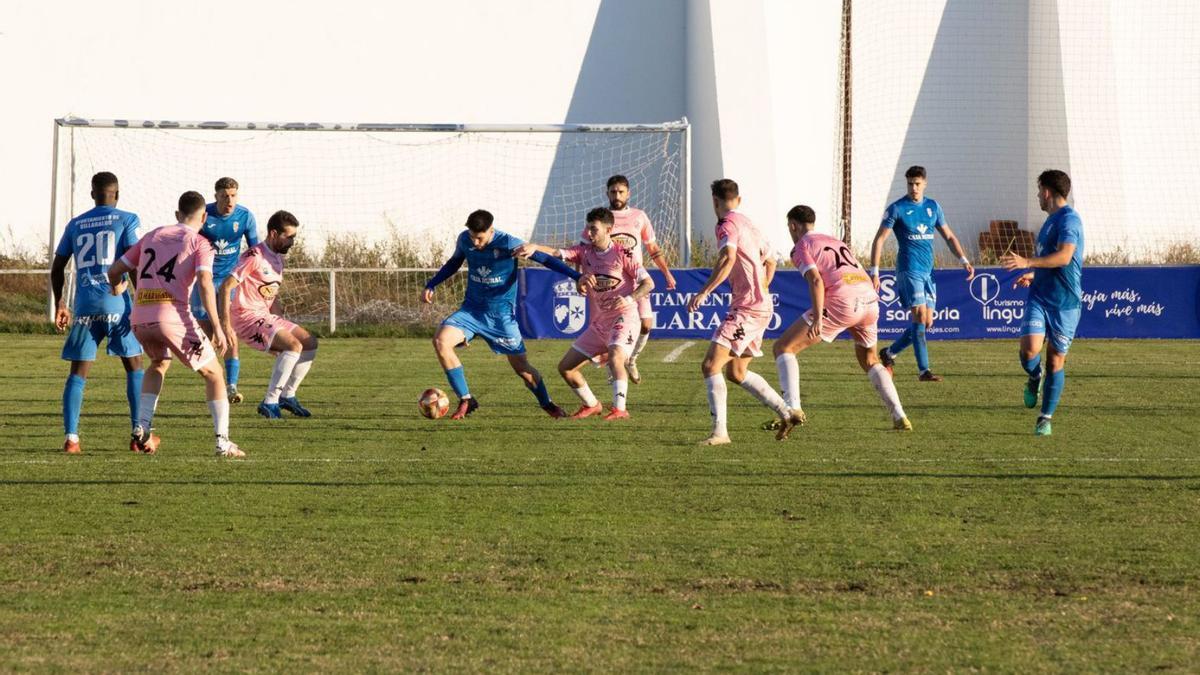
(218, 340)
(427, 296)
(1024, 280)
(228, 328)
(585, 283)
(696, 301)
(1012, 261)
(970, 270)
(120, 286)
(62, 318)
(814, 328)
(875, 282)
(524, 251)
(670, 279)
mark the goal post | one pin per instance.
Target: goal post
(371, 195)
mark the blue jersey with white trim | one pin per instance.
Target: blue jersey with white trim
(491, 273)
(226, 233)
(914, 224)
(1060, 287)
(96, 239)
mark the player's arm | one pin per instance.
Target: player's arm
(769, 266)
(881, 236)
(720, 272)
(956, 246)
(251, 231)
(223, 292)
(208, 298)
(116, 275)
(529, 249)
(816, 291)
(1059, 258)
(443, 274)
(58, 277)
(659, 257)
(645, 285)
(554, 263)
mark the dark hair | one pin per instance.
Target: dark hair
(281, 219)
(189, 203)
(226, 183)
(617, 180)
(600, 215)
(479, 221)
(724, 189)
(915, 172)
(802, 214)
(1056, 181)
(103, 181)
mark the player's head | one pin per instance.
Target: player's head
(227, 195)
(105, 189)
(617, 190)
(1054, 187)
(191, 208)
(725, 196)
(479, 228)
(915, 178)
(281, 231)
(800, 221)
(599, 226)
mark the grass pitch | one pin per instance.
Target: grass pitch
(368, 538)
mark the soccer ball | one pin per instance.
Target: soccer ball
(433, 403)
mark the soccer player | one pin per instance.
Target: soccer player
(167, 262)
(914, 217)
(226, 223)
(630, 230)
(842, 299)
(95, 239)
(257, 279)
(488, 309)
(615, 283)
(1055, 294)
(744, 258)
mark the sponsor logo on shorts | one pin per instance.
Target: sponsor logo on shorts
(154, 296)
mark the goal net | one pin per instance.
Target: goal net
(374, 197)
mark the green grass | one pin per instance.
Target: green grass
(368, 538)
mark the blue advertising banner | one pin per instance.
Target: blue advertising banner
(1118, 302)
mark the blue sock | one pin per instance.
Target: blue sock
(539, 390)
(1053, 391)
(232, 366)
(903, 341)
(458, 381)
(72, 403)
(920, 349)
(133, 393)
(1033, 367)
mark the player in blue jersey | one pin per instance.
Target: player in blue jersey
(95, 239)
(915, 217)
(488, 309)
(1055, 283)
(226, 224)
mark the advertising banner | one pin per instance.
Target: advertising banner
(1118, 302)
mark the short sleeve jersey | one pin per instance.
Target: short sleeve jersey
(166, 262)
(259, 275)
(914, 224)
(631, 229)
(95, 239)
(841, 273)
(1060, 287)
(617, 275)
(491, 273)
(226, 234)
(747, 280)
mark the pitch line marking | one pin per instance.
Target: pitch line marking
(675, 353)
(714, 460)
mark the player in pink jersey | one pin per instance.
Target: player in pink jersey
(167, 262)
(613, 282)
(632, 229)
(744, 258)
(257, 278)
(843, 298)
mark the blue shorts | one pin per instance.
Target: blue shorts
(197, 306)
(499, 330)
(1058, 325)
(87, 332)
(916, 290)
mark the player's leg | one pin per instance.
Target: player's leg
(1033, 336)
(920, 346)
(80, 349)
(912, 296)
(233, 364)
(457, 329)
(218, 407)
(714, 383)
(534, 383)
(308, 353)
(646, 314)
(618, 369)
(793, 341)
(123, 344)
(142, 437)
(738, 370)
(1060, 331)
(884, 385)
(286, 348)
(569, 368)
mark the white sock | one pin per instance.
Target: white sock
(789, 379)
(220, 415)
(74, 438)
(146, 406)
(285, 362)
(298, 373)
(585, 394)
(638, 346)
(620, 391)
(882, 381)
(717, 394)
(761, 390)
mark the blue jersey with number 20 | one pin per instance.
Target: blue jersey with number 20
(96, 239)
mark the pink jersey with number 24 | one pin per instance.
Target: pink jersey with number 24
(165, 262)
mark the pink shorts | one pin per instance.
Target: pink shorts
(644, 309)
(859, 316)
(185, 340)
(742, 332)
(596, 340)
(258, 330)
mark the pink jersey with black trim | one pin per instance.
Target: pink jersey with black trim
(617, 275)
(259, 274)
(165, 262)
(631, 229)
(840, 271)
(748, 279)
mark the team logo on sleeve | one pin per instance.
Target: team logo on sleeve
(570, 308)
